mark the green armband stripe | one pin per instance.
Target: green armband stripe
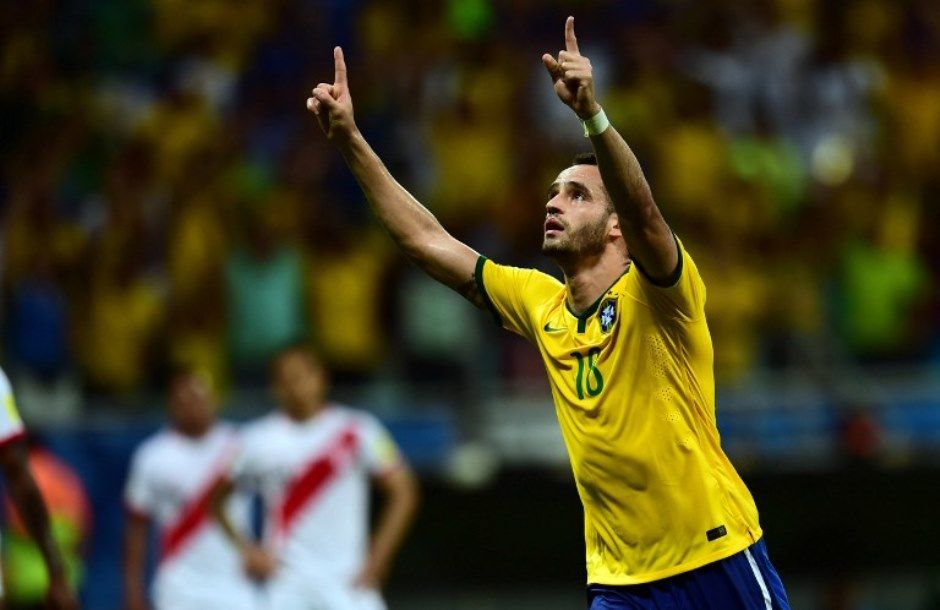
(478, 275)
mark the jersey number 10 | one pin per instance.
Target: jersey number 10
(590, 381)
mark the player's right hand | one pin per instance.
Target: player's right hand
(332, 104)
(572, 76)
(259, 563)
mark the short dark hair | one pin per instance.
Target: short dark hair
(589, 158)
(294, 349)
(585, 158)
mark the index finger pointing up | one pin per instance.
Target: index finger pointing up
(339, 64)
(571, 42)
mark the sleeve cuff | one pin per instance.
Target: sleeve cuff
(478, 275)
(673, 278)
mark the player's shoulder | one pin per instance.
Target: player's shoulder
(526, 275)
(225, 429)
(260, 427)
(686, 271)
(339, 414)
(154, 447)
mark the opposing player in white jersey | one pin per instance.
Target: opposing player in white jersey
(26, 498)
(313, 463)
(172, 478)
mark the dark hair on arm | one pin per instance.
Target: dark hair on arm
(586, 158)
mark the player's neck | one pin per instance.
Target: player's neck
(304, 413)
(588, 278)
(193, 432)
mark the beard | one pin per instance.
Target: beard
(585, 241)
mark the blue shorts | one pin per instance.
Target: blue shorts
(745, 581)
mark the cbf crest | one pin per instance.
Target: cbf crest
(608, 314)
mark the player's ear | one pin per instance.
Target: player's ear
(613, 226)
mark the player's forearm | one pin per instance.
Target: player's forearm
(135, 551)
(32, 510)
(624, 179)
(395, 520)
(648, 237)
(413, 227)
(218, 503)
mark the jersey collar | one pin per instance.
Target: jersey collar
(585, 315)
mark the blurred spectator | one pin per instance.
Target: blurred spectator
(765, 128)
(38, 322)
(124, 302)
(882, 279)
(197, 244)
(347, 274)
(439, 333)
(264, 291)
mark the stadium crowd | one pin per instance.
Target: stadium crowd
(167, 200)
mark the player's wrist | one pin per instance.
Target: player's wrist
(596, 123)
(346, 137)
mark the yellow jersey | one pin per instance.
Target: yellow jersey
(633, 385)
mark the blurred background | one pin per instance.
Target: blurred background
(166, 200)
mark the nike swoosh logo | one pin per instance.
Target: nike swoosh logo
(551, 329)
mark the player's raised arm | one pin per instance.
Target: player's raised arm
(415, 229)
(648, 237)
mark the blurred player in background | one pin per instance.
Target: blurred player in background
(27, 500)
(172, 477)
(312, 462)
(63, 492)
(668, 521)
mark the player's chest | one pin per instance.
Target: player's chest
(184, 474)
(584, 355)
(293, 454)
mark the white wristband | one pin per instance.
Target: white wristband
(596, 125)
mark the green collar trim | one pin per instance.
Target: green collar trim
(590, 311)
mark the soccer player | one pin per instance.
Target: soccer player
(668, 521)
(312, 462)
(173, 475)
(27, 499)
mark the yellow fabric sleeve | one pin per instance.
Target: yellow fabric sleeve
(683, 295)
(513, 294)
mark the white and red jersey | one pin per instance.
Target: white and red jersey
(172, 478)
(314, 477)
(11, 426)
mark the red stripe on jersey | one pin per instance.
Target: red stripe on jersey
(12, 438)
(314, 478)
(194, 516)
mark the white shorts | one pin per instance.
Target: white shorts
(288, 592)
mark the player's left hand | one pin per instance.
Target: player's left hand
(573, 76)
(332, 104)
